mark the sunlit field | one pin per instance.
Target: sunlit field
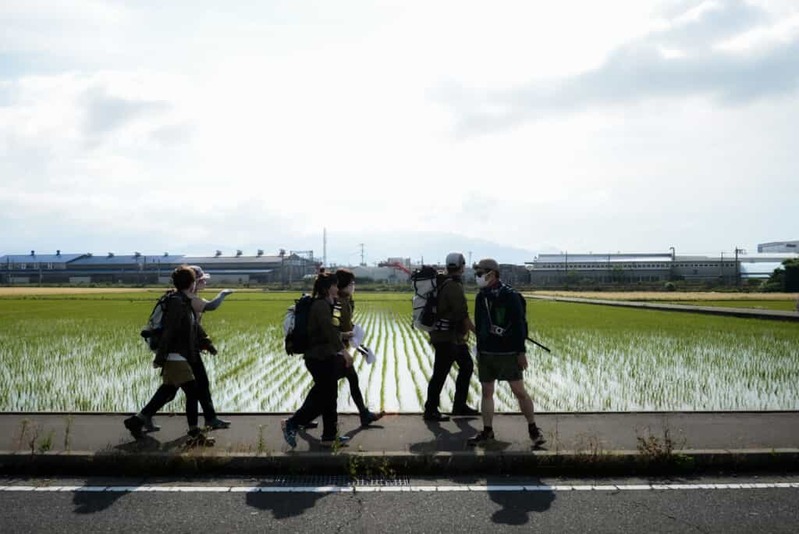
(81, 351)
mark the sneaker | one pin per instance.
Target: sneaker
(289, 432)
(465, 411)
(135, 426)
(150, 426)
(536, 435)
(367, 418)
(483, 437)
(435, 416)
(198, 438)
(217, 424)
(338, 441)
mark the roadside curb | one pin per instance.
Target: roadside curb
(392, 464)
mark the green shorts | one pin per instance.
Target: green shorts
(498, 367)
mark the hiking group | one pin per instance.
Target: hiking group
(322, 329)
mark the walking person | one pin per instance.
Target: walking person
(326, 359)
(177, 347)
(200, 306)
(344, 308)
(501, 353)
(449, 343)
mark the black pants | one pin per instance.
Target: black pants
(446, 355)
(323, 397)
(166, 392)
(355, 389)
(203, 389)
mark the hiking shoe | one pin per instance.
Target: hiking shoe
(483, 437)
(135, 426)
(150, 426)
(217, 424)
(198, 438)
(309, 425)
(435, 416)
(289, 432)
(338, 441)
(536, 435)
(464, 411)
(367, 418)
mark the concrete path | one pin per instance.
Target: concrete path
(590, 443)
(750, 313)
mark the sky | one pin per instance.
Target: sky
(364, 130)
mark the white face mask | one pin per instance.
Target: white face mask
(481, 281)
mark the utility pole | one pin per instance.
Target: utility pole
(324, 247)
(363, 264)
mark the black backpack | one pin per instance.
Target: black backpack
(295, 325)
(155, 323)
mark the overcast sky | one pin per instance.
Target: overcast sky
(504, 128)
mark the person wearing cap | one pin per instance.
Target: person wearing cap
(177, 348)
(501, 353)
(449, 343)
(342, 314)
(200, 305)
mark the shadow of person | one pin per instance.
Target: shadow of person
(283, 504)
(146, 443)
(445, 440)
(517, 505)
(93, 496)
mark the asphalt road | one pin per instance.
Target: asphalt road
(308, 505)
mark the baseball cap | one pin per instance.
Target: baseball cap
(487, 264)
(455, 260)
(199, 274)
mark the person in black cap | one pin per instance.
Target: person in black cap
(449, 342)
(501, 353)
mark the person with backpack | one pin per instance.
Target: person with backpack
(178, 345)
(453, 325)
(326, 359)
(344, 308)
(501, 331)
(200, 305)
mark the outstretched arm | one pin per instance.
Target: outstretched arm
(211, 305)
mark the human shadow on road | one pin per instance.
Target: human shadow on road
(517, 505)
(93, 496)
(283, 504)
(448, 441)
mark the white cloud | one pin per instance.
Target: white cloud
(571, 124)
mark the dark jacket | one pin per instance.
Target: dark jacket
(324, 337)
(500, 307)
(452, 307)
(182, 332)
(344, 306)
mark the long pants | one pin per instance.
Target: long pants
(323, 397)
(166, 392)
(203, 389)
(355, 389)
(446, 355)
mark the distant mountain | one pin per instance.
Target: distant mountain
(430, 248)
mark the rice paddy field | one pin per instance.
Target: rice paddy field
(71, 350)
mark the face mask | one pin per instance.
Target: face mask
(481, 281)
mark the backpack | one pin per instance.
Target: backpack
(154, 328)
(427, 282)
(295, 325)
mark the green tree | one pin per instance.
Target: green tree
(784, 278)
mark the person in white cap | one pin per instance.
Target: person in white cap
(200, 305)
(449, 343)
(501, 333)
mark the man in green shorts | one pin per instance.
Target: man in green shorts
(501, 355)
